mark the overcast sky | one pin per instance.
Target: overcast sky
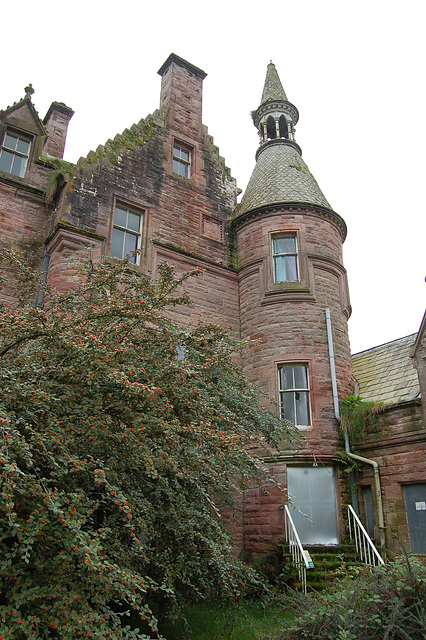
(354, 70)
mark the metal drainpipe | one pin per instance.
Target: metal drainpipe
(43, 279)
(373, 463)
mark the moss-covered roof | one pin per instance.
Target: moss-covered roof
(386, 373)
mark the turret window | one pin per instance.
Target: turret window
(271, 129)
(14, 154)
(286, 268)
(181, 160)
(283, 127)
(294, 394)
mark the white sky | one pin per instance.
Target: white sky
(354, 70)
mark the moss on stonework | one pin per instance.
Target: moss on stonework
(359, 416)
(233, 255)
(138, 135)
(72, 227)
(62, 173)
(184, 252)
(59, 164)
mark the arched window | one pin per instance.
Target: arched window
(270, 128)
(283, 127)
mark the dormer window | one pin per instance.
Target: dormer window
(181, 160)
(14, 153)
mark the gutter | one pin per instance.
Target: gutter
(373, 463)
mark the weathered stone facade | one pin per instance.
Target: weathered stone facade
(166, 172)
(393, 374)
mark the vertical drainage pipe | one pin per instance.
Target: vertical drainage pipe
(43, 279)
(373, 463)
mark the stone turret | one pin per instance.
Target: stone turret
(289, 243)
(280, 174)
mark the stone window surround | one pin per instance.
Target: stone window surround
(304, 286)
(294, 360)
(23, 135)
(176, 157)
(294, 390)
(138, 207)
(277, 255)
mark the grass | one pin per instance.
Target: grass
(248, 621)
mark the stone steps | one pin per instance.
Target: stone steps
(330, 563)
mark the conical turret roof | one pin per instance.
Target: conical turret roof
(280, 177)
(273, 89)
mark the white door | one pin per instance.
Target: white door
(312, 492)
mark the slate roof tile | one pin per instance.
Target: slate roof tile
(386, 373)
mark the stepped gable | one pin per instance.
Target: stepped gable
(386, 373)
(125, 143)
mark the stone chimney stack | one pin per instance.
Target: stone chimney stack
(56, 122)
(182, 93)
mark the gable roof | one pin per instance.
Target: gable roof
(24, 113)
(386, 373)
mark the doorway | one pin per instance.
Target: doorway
(312, 491)
(415, 506)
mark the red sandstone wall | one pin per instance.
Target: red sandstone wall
(398, 444)
(285, 322)
(184, 219)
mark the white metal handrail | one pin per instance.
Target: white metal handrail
(363, 542)
(300, 556)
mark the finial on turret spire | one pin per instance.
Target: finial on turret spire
(273, 89)
(276, 117)
(29, 91)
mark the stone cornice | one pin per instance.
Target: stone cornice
(303, 208)
(71, 228)
(275, 105)
(61, 107)
(193, 258)
(20, 184)
(275, 141)
(397, 440)
(182, 63)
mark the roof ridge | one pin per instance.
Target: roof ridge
(384, 344)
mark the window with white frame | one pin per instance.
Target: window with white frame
(126, 233)
(284, 249)
(181, 160)
(14, 153)
(294, 393)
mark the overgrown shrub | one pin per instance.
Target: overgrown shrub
(357, 415)
(387, 604)
(121, 433)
